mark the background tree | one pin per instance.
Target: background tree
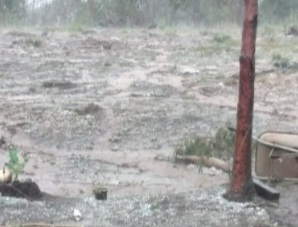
(12, 11)
(141, 13)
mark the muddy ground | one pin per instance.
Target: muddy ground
(108, 107)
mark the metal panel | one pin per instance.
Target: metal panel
(277, 155)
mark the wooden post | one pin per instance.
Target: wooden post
(242, 188)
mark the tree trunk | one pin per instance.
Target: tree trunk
(90, 6)
(242, 188)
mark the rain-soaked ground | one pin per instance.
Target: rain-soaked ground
(109, 106)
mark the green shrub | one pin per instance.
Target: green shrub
(280, 61)
(16, 162)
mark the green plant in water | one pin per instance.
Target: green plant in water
(198, 146)
(16, 162)
(224, 141)
(225, 138)
(222, 145)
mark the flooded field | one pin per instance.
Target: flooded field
(108, 107)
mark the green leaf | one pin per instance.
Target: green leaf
(15, 164)
(13, 155)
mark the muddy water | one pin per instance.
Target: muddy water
(61, 172)
(85, 115)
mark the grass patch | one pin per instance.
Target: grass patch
(280, 61)
(219, 43)
(223, 39)
(33, 42)
(168, 30)
(273, 44)
(221, 146)
(196, 146)
(225, 141)
(270, 30)
(16, 162)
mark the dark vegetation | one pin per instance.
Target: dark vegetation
(140, 13)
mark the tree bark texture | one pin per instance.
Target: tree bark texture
(242, 188)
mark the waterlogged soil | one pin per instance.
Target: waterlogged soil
(108, 107)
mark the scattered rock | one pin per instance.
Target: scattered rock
(63, 85)
(115, 139)
(2, 141)
(93, 42)
(107, 45)
(32, 89)
(11, 129)
(87, 31)
(115, 39)
(33, 42)
(77, 215)
(89, 146)
(293, 30)
(275, 112)
(115, 148)
(161, 158)
(20, 33)
(44, 33)
(91, 108)
(47, 32)
(136, 95)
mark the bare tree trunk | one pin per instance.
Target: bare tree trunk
(24, 10)
(91, 6)
(242, 188)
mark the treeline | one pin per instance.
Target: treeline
(141, 13)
